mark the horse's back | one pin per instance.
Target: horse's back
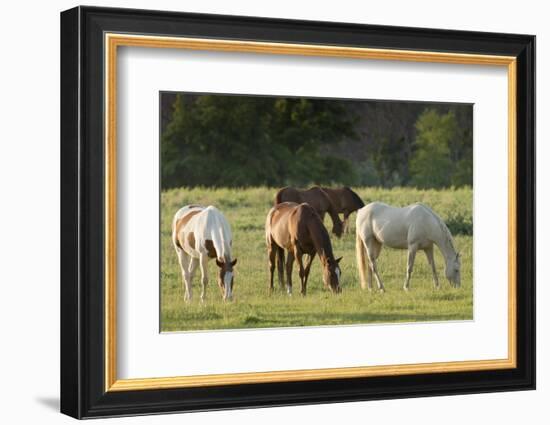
(344, 198)
(397, 226)
(287, 194)
(335, 197)
(318, 199)
(213, 221)
(205, 224)
(183, 211)
(303, 214)
(387, 224)
(315, 196)
(277, 223)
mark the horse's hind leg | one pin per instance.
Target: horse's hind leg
(289, 264)
(373, 248)
(410, 264)
(281, 266)
(187, 278)
(299, 260)
(430, 256)
(272, 256)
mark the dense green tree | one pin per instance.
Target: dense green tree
(431, 164)
(242, 141)
(222, 140)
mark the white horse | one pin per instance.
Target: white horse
(414, 227)
(198, 234)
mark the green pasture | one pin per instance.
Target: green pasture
(252, 307)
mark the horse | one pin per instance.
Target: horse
(298, 229)
(317, 198)
(345, 201)
(198, 234)
(415, 227)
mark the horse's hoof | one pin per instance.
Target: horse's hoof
(405, 289)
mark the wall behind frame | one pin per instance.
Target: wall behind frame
(29, 229)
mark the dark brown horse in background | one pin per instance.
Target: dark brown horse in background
(345, 201)
(298, 229)
(317, 199)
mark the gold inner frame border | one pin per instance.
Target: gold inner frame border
(113, 40)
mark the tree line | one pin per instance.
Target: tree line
(239, 141)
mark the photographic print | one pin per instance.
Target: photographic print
(289, 211)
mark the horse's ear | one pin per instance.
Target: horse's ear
(234, 262)
(219, 263)
(338, 260)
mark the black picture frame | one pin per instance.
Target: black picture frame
(83, 392)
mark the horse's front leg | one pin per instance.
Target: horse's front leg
(302, 271)
(430, 256)
(308, 267)
(373, 249)
(410, 263)
(203, 261)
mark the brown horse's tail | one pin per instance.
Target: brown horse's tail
(361, 264)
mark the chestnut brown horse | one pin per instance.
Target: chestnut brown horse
(345, 200)
(317, 198)
(298, 229)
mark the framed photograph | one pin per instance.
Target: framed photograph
(261, 212)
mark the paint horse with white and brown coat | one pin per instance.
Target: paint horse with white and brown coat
(316, 198)
(199, 234)
(298, 229)
(345, 201)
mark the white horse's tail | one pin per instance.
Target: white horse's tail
(361, 264)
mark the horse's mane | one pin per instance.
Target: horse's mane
(444, 229)
(320, 237)
(356, 197)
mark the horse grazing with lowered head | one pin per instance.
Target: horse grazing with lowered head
(198, 234)
(345, 200)
(298, 229)
(415, 227)
(316, 198)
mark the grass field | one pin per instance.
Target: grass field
(246, 210)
